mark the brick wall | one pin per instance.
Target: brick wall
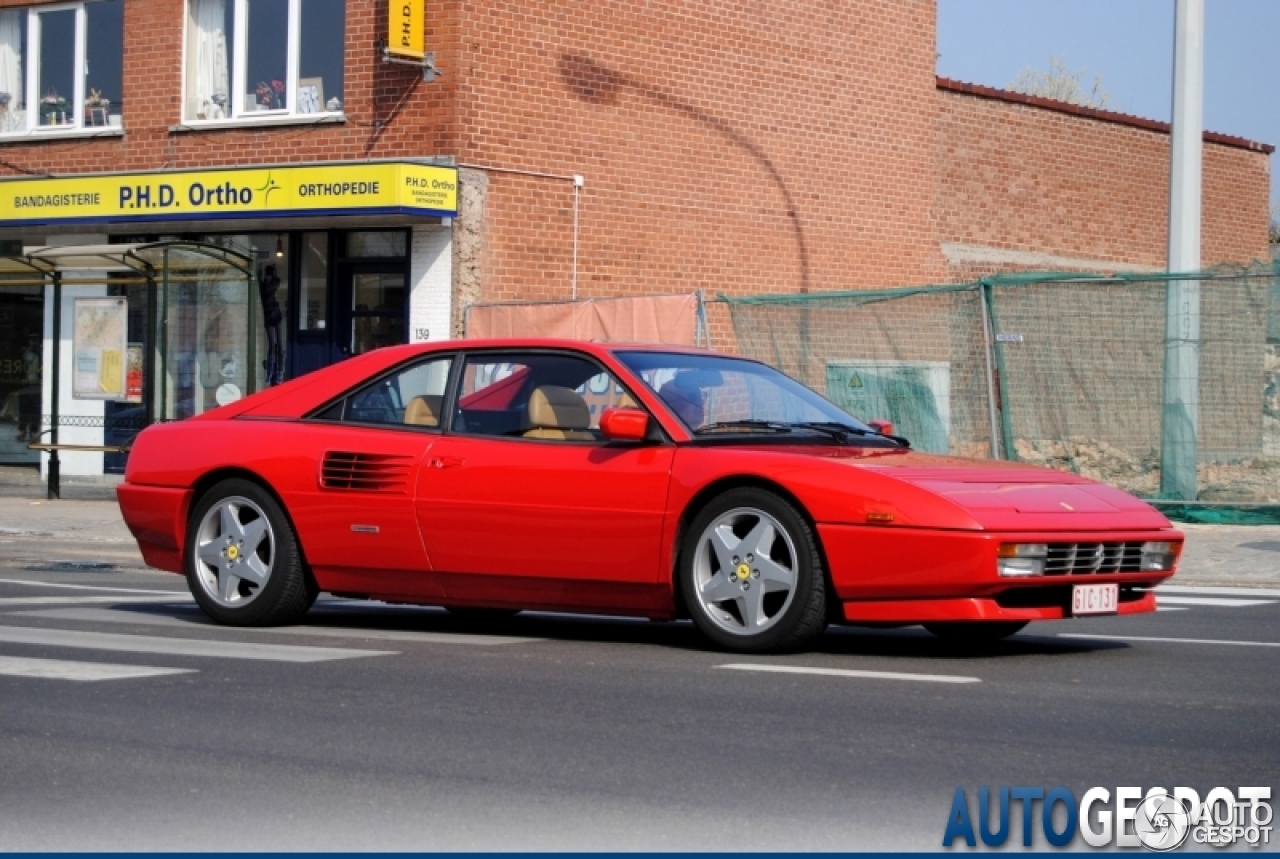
(1027, 177)
(745, 148)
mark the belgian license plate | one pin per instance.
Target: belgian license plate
(1094, 599)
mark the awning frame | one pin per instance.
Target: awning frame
(149, 263)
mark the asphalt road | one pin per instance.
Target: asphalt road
(376, 727)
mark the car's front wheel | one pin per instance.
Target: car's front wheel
(244, 566)
(975, 631)
(751, 573)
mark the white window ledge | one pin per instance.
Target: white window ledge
(259, 122)
(77, 133)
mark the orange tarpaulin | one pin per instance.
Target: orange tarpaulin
(646, 319)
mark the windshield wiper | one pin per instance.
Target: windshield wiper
(843, 431)
(744, 425)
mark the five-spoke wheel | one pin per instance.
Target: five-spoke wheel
(751, 574)
(243, 563)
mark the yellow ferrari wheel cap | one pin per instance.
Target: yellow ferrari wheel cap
(233, 552)
(743, 571)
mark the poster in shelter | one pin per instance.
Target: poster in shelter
(99, 346)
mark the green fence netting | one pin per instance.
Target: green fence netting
(1070, 371)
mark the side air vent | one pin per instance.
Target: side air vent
(368, 472)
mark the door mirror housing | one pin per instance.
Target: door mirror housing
(881, 426)
(624, 424)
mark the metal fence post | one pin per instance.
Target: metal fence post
(984, 290)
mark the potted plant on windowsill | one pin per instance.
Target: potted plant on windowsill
(269, 96)
(54, 109)
(96, 108)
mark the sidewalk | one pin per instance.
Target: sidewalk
(1242, 555)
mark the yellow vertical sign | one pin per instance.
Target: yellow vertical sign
(406, 28)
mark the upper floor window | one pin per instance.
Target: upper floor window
(53, 76)
(262, 58)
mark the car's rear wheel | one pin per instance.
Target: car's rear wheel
(244, 566)
(975, 631)
(751, 573)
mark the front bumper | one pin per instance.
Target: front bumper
(903, 575)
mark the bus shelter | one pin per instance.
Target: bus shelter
(134, 334)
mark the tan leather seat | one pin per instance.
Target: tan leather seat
(626, 401)
(558, 413)
(424, 411)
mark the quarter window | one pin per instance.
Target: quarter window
(53, 76)
(248, 59)
(411, 397)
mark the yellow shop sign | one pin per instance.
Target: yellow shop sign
(392, 188)
(406, 36)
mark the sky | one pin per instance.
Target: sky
(1130, 44)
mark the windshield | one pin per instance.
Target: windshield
(718, 393)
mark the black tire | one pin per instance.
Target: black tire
(975, 631)
(287, 591)
(798, 620)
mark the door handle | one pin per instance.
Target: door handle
(444, 461)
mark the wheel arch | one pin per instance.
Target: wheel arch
(206, 482)
(722, 485)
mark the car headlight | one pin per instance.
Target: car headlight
(1021, 559)
(1159, 555)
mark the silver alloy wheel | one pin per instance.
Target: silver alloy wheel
(742, 557)
(234, 551)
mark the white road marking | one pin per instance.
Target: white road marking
(1218, 601)
(58, 669)
(846, 672)
(179, 646)
(99, 615)
(1192, 590)
(89, 587)
(1172, 640)
(25, 601)
(1168, 608)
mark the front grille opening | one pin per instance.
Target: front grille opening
(1073, 559)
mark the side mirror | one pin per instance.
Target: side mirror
(881, 426)
(624, 424)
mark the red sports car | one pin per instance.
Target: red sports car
(638, 480)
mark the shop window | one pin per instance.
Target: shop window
(313, 292)
(262, 58)
(53, 76)
(376, 244)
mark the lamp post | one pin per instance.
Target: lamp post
(1180, 423)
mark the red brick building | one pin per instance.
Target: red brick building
(601, 149)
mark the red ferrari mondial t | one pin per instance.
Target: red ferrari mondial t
(495, 476)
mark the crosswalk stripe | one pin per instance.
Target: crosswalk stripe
(98, 615)
(25, 601)
(1169, 640)
(1194, 590)
(32, 584)
(179, 646)
(1169, 599)
(59, 669)
(847, 672)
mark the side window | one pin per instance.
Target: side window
(549, 397)
(412, 397)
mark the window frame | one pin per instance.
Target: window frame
(454, 396)
(31, 76)
(239, 47)
(317, 415)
